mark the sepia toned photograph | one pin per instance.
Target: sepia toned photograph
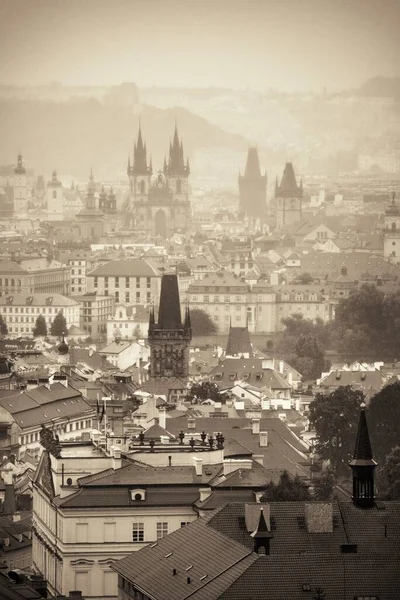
(199, 300)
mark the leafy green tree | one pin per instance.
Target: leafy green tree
(334, 417)
(390, 475)
(288, 489)
(3, 326)
(323, 487)
(304, 279)
(204, 391)
(59, 325)
(383, 414)
(310, 358)
(40, 327)
(202, 323)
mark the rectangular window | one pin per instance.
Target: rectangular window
(138, 532)
(148, 296)
(126, 281)
(148, 280)
(162, 529)
(116, 296)
(95, 282)
(117, 282)
(137, 282)
(126, 296)
(137, 296)
(206, 298)
(105, 281)
(216, 298)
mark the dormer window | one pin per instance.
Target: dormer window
(138, 494)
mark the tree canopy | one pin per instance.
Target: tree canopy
(390, 475)
(59, 325)
(204, 391)
(383, 416)
(335, 417)
(202, 323)
(288, 489)
(40, 327)
(367, 324)
(303, 344)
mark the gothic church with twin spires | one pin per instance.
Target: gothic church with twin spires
(158, 204)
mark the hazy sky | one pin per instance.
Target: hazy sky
(285, 44)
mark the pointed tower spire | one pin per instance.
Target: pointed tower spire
(128, 169)
(176, 165)
(363, 466)
(262, 535)
(151, 166)
(139, 166)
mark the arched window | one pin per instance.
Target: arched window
(285, 296)
(54, 194)
(299, 296)
(393, 226)
(178, 186)
(6, 282)
(12, 282)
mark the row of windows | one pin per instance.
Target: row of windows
(31, 309)
(127, 281)
(161, 530)
(30, 438)
(218, 298)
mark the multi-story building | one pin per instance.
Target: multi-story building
(159, 206)
(84, 520)
(56, 405)
(132, 281)
(21, 311)
(95, 310)
(224, 297)
(34, 275)
(310, 301)
(128, 323)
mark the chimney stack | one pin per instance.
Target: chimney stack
(255, 426)
(162, 413)
(116, 458)
(263, 439)
(198, 465)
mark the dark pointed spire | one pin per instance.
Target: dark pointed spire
(262, 535)
(165, 165)
(139, 166)
(276, 185)
(252, 169)
(169, 313)
(151, 166)
(363, 466)
(128, 169)
(288, 186)
(362, 450)
(151, 317)
(176, 163)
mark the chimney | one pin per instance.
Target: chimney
(116, 458)
(205, 493)
(198, 465)
(319, 517)
(267, 363)
(191, 423)
(75, 594)
(263, 439)
(255, 426)
(16, 517)
(162, 413)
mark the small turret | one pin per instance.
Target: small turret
(19, 169)
(188, 324)
(63, 348)
(363, 467)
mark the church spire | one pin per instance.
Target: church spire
(176, 163)
(139, 166)
(169, 314)
(262, 535)
(363, 466)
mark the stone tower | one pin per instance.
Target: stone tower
(20, 189)
(391, 235)
(253, 188)
(288, 197)
(55, 199)
(169, 338)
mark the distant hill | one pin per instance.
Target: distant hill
(381, 87)
(75, 135)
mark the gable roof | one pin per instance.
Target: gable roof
(133, 267)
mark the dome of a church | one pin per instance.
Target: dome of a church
(63, 348)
